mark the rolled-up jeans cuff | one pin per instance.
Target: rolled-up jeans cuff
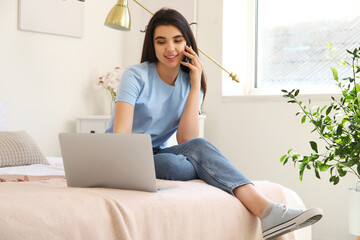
(240, 185)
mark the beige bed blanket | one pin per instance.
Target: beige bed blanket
(194, 210)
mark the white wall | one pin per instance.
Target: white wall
(48, 80)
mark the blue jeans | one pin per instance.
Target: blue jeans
(198, 159)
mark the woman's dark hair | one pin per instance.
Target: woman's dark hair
(166, 16)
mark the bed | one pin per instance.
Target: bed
(37, 204)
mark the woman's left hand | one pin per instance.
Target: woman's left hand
(195, 65)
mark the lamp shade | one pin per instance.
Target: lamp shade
(119, 16)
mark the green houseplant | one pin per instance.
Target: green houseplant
(338, 128)
(337, 125)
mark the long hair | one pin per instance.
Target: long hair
(166, 16)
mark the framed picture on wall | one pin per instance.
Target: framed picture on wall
(62, 17)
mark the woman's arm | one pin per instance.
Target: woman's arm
(124, 116)
(189, 122)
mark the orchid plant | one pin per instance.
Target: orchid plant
(110, 81)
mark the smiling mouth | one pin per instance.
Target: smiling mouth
(171, 57)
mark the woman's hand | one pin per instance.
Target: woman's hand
(189, 122)
(195, 65)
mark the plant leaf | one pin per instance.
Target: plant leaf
(324, 167)
(317, 173)
(328, 110)
(335, 73)
(301, 173)
(339, 129)
(314, 146)
(334, 179)
(303, 119)
(322, 109)
(286, 160)
(342, 173)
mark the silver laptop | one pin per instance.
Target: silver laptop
(123, 161)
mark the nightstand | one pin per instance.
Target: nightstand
(98, 124)
(92, 124)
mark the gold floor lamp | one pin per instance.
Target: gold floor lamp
(119, 18)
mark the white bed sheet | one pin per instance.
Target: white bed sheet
(55, 167)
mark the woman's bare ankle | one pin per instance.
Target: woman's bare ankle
(252, 199)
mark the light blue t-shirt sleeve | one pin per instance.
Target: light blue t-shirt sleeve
(129, 88)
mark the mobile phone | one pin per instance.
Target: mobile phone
(186, 59)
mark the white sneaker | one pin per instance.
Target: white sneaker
(278, 219)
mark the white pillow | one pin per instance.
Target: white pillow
(3, 126)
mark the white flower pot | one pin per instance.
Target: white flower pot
(354, 210)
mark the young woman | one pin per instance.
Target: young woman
(163, 94)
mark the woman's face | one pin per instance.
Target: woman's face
(169, 45)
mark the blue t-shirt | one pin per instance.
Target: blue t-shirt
(158, 106)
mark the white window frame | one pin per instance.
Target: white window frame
(241, 14)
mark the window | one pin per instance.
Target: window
(284, 43)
